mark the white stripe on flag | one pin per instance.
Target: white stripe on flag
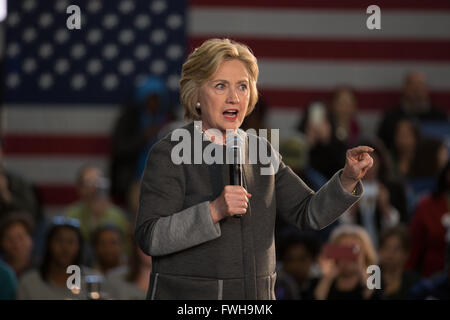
(72, 119)
(294, 23)
(53, 170)
(289, 74)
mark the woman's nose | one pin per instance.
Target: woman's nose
(233, 97)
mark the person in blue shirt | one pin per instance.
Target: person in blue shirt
(8, 281)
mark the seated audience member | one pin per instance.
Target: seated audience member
(427, 229)
(417, 160)
(393, 252)
(432, 156)
(8, 282)
(343, 107)
(326, 151)
(384, 202)
(95, 208)
(16, 242)
(344, 266)
(130, 283)
(438, 287)
(108, 245)
(135, 131)
(415, 104)
(295, 151)
(296, 279)
(407, 138)
(62, 249)
(16, 194)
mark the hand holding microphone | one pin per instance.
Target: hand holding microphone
(234, 199)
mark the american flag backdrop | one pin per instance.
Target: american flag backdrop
(119, 42)
(63, 87)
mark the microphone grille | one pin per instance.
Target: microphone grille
(234, 140)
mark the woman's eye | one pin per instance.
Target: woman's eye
(243, 86)
(220, 86)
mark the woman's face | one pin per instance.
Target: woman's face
(224, 98)
(109, 248)
(405, 139)
(298, 261)
(16, 243)
(88, 185)
(344, 105)
(64, 247)
(349, 267)
(392, 254)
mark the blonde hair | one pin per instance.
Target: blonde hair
(351, 230)
(204, 62)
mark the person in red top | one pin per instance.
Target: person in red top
(428, 230)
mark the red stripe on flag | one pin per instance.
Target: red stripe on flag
(402, 50)
(57, 195)
(327, 4)
(367, 100)
(32, 144)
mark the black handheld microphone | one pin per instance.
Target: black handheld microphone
(234, 143)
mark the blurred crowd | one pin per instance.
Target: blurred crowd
(401, 223)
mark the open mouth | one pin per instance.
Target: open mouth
(231, 114)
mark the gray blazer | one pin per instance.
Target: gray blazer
(234, 258)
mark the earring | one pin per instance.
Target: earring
(198, 105)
